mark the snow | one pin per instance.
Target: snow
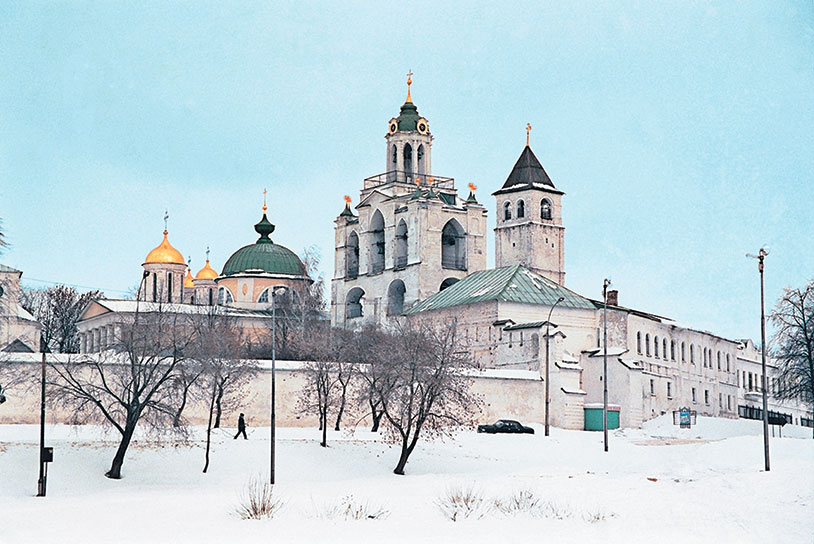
(659, 483)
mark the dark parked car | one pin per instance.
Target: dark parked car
(505, 426)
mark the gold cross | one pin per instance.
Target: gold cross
(264, 201)
(409, 82)
(207, 253)
(166, 216)
(528, 130)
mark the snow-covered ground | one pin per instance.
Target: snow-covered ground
(658, 484)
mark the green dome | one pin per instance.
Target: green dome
(264, 256)
(408, 119)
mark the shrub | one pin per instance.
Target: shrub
(461, 503)
(348, 508)
(258, 501)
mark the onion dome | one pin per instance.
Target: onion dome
(206, 273)
(189, 283)
(264, 256)
(165, 253)
(347, 212)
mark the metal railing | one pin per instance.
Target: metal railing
(408, 179)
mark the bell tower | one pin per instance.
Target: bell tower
(409, 143)
(529, 227)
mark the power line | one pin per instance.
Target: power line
(77, 286)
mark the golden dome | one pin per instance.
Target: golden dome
(164, 253)
(188, 281)
(206, 273)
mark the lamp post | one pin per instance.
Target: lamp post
(605, 364)
(547, 335)
(761, 255)
(273, 376)
(41, 483)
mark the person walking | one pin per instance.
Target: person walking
(241, 427)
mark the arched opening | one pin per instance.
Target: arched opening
(352, 256)
(673, 350)
(647, 344)
(507, 211)
(395, 298)
(377, 243)
(422, 164)
(264, 296)
(639, 342)
(225, 296)
(656, 346)
(408, 160)
(354, 303)
(453, 246)
(545, 209)
(401, 245)
(664, 348)
(394, 158)
(448, 282)
(210, 296)
(521, 209)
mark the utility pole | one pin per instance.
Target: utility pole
(41, 481)
(547, 336)
(761, 255)
(605, 367)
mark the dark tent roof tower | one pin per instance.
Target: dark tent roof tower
(527, 173)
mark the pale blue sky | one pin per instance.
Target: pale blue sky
(682, 132)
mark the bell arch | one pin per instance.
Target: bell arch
(352, 256)
(395, 297)
(353, 304)
(377, 243)
(453, 246)
(401, 245)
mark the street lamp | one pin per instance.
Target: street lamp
(605, 286)
(274, 292)
(764, 251)
(547, 391)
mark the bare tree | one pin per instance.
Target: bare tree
(130, 383)
(219, 350)
(3, 243)
(793, 343)
(376, 379)
(424, 386)
(58, 309)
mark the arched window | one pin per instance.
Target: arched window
(394, 159)
(521, 209)
(224, 296)
(169, 286)
(408, 159)
(639, 342)
(655, 346)
(507, 211)
(354, 303)
(727, 362)
(447, 282)
(377, 243)
(352, 256)
(453, 246)
(673, 350)
(545, 209)
(422, 164)
(692, 354)
(719, 360)
(401, 245)
(647, 344)
(210, 296)
(264, 296)
(664, 348)
(395, 298)
(683, 352)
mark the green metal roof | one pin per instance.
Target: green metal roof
(264, 256)
(408, 118)
(509, 284)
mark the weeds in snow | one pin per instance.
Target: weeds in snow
(462, 503)
(521, 502)
(348, 508)
(257, 501)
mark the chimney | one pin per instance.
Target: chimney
(613, 298)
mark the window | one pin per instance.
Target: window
(408, 159)
(673, 350)
(727, 362)
(720, 400)
(264, 296)
(683, 352)
(521, 209)
(656, 346)
(669, 390)
(729, 402)
(639, 342)
(664, 348)
(354, 303)
(377, 243)
(507, 211)
(401, 246)
(647, 344)
(352, 256)
(447, 282)
(653, 387)
(750, 382)
(692, 354)
(169, 286)
(694, 397)
(706, 396)
(545, 209)
(210, 296)
(453, 246)
(155, 287)
(224, 296)
(395, 298)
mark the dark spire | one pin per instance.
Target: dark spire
(527, 172)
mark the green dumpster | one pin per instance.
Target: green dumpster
(593, 416)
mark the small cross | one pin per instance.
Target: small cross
(528, 130)
(409, 75)
(189, 261)
(166, 216)
(264, 201)
(207, 253)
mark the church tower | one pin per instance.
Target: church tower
(529, 227)
(409, 237)
(164, 269)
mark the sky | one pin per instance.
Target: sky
(681, 132)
